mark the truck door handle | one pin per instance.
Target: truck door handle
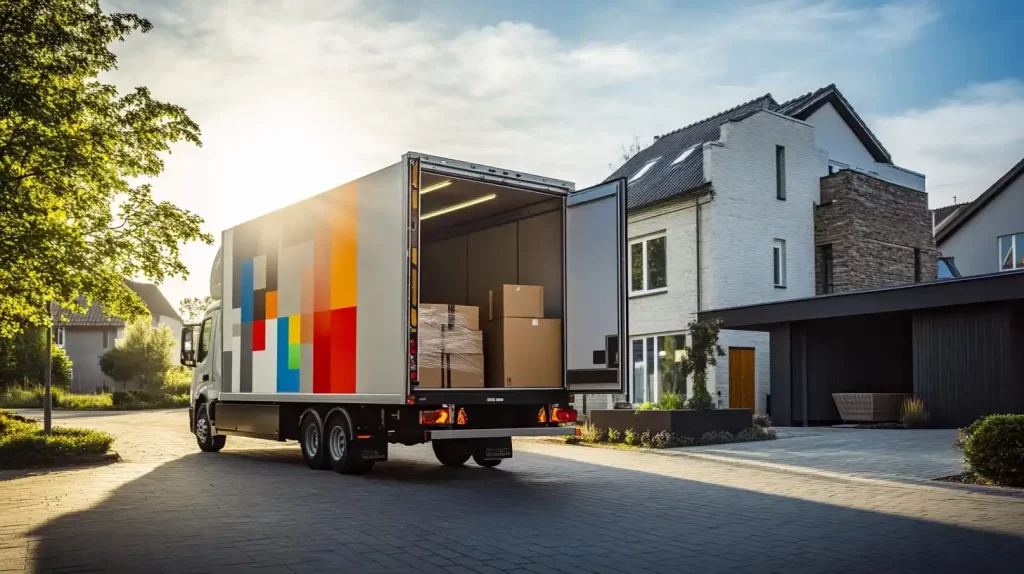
(206, 378)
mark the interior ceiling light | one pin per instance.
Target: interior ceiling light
(436, 186)
(459, 206)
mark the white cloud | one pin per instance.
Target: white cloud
(962, 144)
(296, 97)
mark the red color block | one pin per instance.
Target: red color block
(322, 352)
(259, 335)
(343, 350)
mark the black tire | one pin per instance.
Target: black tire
(312, 444)
(203, 431)
(484, 462)
(451, 453)
(338, 451)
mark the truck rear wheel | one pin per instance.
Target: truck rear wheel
(452, 453)
(339, 450)
(204, 432)
(312, 443)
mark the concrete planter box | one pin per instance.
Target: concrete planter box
(687, 423)
(869, 407)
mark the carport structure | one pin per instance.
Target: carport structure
(957, 344)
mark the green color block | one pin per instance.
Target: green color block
(294, 356)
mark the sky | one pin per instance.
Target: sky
(295, 97)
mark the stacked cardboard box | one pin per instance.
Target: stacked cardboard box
(523, 349)
(451, 349)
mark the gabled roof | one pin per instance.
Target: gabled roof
(150, 294)
(804, 106)
(665, 179)
(964, 215)
(943, 213)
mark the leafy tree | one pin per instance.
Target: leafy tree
(142, 356)
(192, 309)
(71, 223)
(703, 353)
(23, 360)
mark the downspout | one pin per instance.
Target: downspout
(698, 256)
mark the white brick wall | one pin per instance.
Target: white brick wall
(745, 218)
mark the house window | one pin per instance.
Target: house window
(648, 265)
(1011, 252)
(646, 168)
(827, 273)
(947, 268)
(780, 172)
(658, 367)
(106, 339)
(204, 339)
(58, 336)
(779, 262)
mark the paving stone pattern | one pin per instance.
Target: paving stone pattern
(553, 508)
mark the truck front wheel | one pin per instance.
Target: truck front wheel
(452, 452)
(204, 432)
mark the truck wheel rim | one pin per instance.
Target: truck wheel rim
(338, 443)
(312, 440)
(201, 429)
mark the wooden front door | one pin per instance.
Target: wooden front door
(741, 378)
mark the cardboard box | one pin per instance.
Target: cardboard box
(429, 377)
(524, 353)
(524, 301)
(434, 340)
(463, 316)
(465, 371)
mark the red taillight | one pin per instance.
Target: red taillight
(412, 346)
(562, 415)
(436, 417)
(462, 418)
(542, 416)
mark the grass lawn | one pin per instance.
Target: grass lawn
(23, 444)
(31, 397)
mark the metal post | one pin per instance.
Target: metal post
(803, 368)
(47, 408)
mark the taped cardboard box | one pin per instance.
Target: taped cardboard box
(524, 353)
(464, 316)
(435, 340)
(523, 301)
(452, 371)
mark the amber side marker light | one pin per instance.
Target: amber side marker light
(563, 415)
(462, 418)
(542, 416)
(436, 417)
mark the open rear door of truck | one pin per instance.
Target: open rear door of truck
(596, 321)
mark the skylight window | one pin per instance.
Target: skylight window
(684, 155)
(646, 168)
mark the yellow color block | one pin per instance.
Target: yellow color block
(294, 329)
(345, 248)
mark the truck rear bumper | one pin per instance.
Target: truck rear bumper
(497, 433)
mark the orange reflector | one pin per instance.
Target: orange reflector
(462, 419)
(579, 431)
(436, 417)
(542, 416)
(563, 415)
(362, 436)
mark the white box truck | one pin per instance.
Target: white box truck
(314, 332)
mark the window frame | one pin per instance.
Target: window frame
(58, 336)
(644, 270)
(1017, 261)
(652, 386)
(780, 173)
(648, 166)
(779, 258)
(201, 349)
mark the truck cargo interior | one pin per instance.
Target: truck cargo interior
(476, 237)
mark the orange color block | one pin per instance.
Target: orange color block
(271, 310)
(345, 248)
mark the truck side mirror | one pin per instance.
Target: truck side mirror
(188, 352)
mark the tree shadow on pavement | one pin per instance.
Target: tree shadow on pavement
(245, 510)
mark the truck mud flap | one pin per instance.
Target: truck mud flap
(493, 448)
(374, 449)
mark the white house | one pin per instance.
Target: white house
(722, 213)
(987, 234)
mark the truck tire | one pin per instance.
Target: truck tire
(339, 452)
(204, 432)
(485, 462)
(451, 453)
(312, 443)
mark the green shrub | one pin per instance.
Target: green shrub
(645, 439)
(912, 413)
(100, 401)
(122, 399)
(994, 448)
(177, 381)
(591, 433)
(632, 438)
(23, 443)
(614, 436)
(17, 397)
(648, 406)
(175, 401)
(762, 420)
(715, 437)
(146, 396)
(671, 402)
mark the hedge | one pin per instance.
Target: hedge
(23, 444)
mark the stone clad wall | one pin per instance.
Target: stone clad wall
(874, 227)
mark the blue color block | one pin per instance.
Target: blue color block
(287, 379)
(247, 290)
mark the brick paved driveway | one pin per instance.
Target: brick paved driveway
(255, 506)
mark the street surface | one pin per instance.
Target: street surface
(166, 507)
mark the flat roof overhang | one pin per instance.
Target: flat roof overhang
(1004, 286)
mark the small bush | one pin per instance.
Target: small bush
(715, 437)
(177, 381)
(614, 435)
(102, 401)
(994, 448)
(648, 406)
(591, 433)
(572, 439)
(912, 413)
(122, 399)
(146, 396)
(671, 402)
(762, 420)
(23, 443)
(632, 438)
(175, 401)
(20, 398)
(645, 439)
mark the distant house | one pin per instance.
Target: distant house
(987, 234)
(86, 336)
